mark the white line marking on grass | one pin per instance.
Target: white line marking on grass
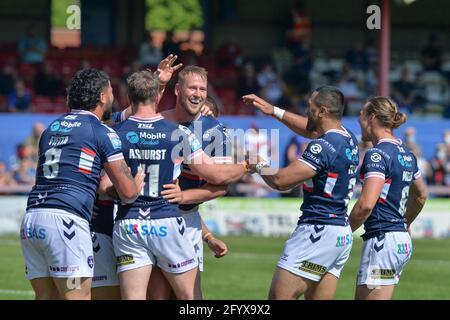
(17, 292)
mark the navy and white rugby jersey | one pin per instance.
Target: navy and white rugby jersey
(216, 144)
(392, 161)
(159, 146)
(334, 156)
(72, 151)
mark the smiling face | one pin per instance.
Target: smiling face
(191, 93)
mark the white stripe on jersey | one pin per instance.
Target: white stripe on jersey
(374, 175)
(309, 164)
(115, 157)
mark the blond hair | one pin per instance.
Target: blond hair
(386, 111)
(192, 70)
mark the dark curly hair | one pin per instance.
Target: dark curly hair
(85, 88)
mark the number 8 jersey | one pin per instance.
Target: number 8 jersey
(72, 151)
(392, 161)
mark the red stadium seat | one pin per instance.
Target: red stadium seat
(60, 105)
(42, 104)
(228, 98)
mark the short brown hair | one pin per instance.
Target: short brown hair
(142, 87)
(192, 70)
(386, 111)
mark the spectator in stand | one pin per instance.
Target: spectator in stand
(170, 45)
(32, 141)
(32, 48)
(5, 177)
(422, 163)
(7, 77)
(349, 83)
(409, 137)
(150, 52)
(440, 166)
(270, 84)
(47, 81)
(25, 174)
(403, 91)
(358, 57)
(247, 82)
(229, 55)
(447, 140)
(20, 98)
(432, 55)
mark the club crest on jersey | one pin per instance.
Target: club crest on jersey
(115, 140)
(376, 157)
(316, 148)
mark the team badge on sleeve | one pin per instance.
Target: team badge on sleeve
(115, 140)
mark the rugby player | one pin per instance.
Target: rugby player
(392, 196)
(55, 235)
(105, 282)
(152, 231)
(312, 260)
(192, 86)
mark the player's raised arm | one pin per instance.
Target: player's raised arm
(416, 200)
(165, 71)
(293, 121)
(127, 187)
(367, 200)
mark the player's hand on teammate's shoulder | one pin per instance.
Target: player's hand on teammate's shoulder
(261, 104)
(166, 69)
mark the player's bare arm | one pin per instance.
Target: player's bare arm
(293, 121)
(127, 186)
(217, 174)
(207, 192)
(416, 200)
(367, 200)
(285, 178)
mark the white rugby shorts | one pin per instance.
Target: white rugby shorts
(161, 242)
(314, 250)
(383, 259)
(56, 243)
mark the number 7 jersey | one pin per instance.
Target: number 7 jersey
(72, 151)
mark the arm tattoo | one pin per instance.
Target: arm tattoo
(126, 170)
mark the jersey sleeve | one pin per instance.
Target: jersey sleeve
(316, 155)
(110, 145)
(374, 165)
(192, 148)
(417, 172)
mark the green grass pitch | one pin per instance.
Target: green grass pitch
(246, 272)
